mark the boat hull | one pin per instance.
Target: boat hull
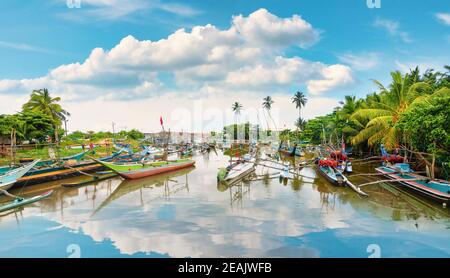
(246, 169)
(157, 170)
(331, 179)
(415, 185)
(57, 173)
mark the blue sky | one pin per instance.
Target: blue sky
(327, 48)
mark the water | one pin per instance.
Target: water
(186, 214)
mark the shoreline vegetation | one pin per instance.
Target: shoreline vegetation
(410, 115)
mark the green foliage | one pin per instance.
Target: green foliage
(41, 101)
(135, 134)
(29, 125)
(427, 126)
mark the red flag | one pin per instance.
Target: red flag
(161, 120)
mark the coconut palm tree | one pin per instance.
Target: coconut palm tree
(40, 100)
(267, 105)
(237, 108)
(300, 101)
(300, 123)
(382, 113)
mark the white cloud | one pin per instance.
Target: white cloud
(245, 59)
(362, 61)
(333, 76)
(393, 29)
(443, 18)
(262, 27)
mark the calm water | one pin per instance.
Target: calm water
(186, 214)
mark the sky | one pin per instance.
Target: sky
(132, 62)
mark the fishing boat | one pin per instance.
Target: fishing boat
(18, 202)
(46, 174)
(284, 173)
(237, 170)
(327, 167)
(437, 189)
(391, 158)
(43, 163)
(146, 169)
(299, 152)
(8, 179)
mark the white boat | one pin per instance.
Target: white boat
(8, 179)
(239, 170)
(284, 174)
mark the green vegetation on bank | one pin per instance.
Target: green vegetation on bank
(410, 113)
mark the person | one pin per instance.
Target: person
(91, 148)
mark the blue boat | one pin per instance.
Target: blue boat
(8, 179)
(438, 190)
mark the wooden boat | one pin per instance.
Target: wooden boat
(328, 170)
(141, 170)
(391, 158)
(438, 190)
(49, 162)
(332, 175)
(24, 201)
(237, 170)
(8, 179)
(55, 173)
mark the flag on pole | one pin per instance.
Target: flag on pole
(161, 120)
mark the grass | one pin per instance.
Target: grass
(42, 153)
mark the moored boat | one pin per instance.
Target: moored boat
(438, 190)
(327, 168)
(141, 170)
(8, 179)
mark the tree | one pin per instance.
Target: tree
(267, 105)
(300, 101)
(383, 114)
(135, 134)
(426, 124)
(300, 124)
(236, 107)
(40, 100)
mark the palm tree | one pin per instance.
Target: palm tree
(300, 123)
(300, 101)
(384, 111)
(267, 105)
(236, 107)
(40, 100)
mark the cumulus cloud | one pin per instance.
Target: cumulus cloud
(333, 76)
(244, 55)
(262, 27)
(246, 58)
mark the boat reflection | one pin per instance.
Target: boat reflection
(171, 186)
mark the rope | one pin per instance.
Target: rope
(9, 194)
